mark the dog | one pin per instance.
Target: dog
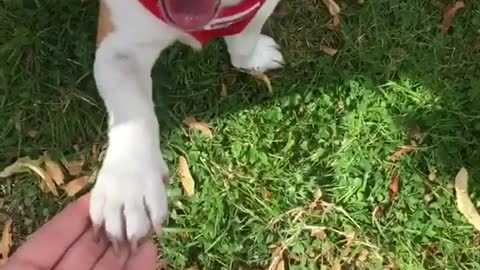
(129, 198)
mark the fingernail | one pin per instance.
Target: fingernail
(116, 247)
(97, 233)
(133, 246)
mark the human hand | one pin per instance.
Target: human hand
(67, 242)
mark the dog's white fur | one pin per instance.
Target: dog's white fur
(130, 194)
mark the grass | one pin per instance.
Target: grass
(330, 126)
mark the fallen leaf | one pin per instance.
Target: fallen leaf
(263, 77)
(319, 233)
(267, 196)
(329, 50)
(75, 166)
(361, 2)
(334, 23)
(193, 124)
(428, 198)
(186, 177)
(24, 165)
(44, 187)
(402, 151)
(54, 170)
(379, 211)
(19, 166)
(432, 176)
(350, 236)
(223, 90)
(334, 10)
(450, 14)
(336, 265)
(47, 179)
(464, 204)
(95, 153)
(76, 185)
(278, 262)
(6, 242)
(394, 186)
(229, 77)
(32, 133)
(332, 6)
(362, 258)
(18, 122)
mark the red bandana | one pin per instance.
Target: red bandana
(230, 20)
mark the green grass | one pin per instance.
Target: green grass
(331, 125)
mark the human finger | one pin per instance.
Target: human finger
(84, 254)
(145, 258)
(114, 258)
(58, 234)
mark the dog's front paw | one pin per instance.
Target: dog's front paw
(130, 196)
(266, 56)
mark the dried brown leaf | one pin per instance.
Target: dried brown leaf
(95, 153)
(332, 6)
(18, 122)
(26, 164)
(334, 10)
(432, 176)
(223, 90)
(185, 176)
(394, 186)
(278, 262)
(19, 166)
(76, 185)
(193, 124)
(329, 50)
(362, 257)
(402, 151)
(464, 204)
(350, 236)
(47, 179)
(379, 211)
(6, 242)
(335, 23)
(319, 233)
(450, 14)
(44, 187)
(75, 166)
(428, 198)
(55, 171)
(262, 77)
(32, 133)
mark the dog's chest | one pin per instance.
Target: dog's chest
(230, 21)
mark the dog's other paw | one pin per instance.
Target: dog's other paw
(266, 56)
(130, 195)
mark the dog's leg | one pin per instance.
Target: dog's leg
(252, 50)
(130, 194)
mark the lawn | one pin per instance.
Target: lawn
(307, 167)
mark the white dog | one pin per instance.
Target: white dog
(130, 194)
